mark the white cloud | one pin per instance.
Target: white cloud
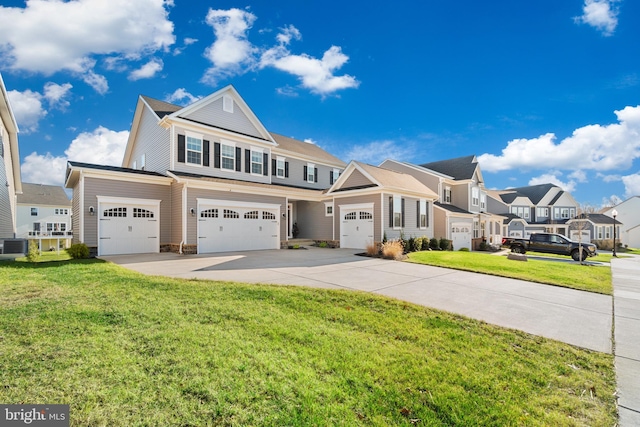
(579, 176)
(600, 14)
(310, 141)
(231, 53)
(27, 109)
(377, 151)
(148, 70)
(102, 146)
(551, 178)
(592, 147)
(631, 185)
(180, 95)
(50, 36)
(55, 94)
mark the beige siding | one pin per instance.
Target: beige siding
(176, 212)
(196, 193)
(213, 114)
(153, 141)
(94, 187)
(312, 221)
(410, 228)
(440, 224)
(377, 212)
(429, 180)
(356, 179)
(461, 196)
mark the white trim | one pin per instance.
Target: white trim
(356, 206)
(235, 204)
(172, 147)
(128, 201)
(311, 167)
(81, 207)
(184, 213)
(326, 206)
(227, 104)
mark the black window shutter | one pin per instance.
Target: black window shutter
(418, 214)
(315, 174)
(331, 177)
(265, 164)
(286, 169)
(402, 210)
(216, 155)
(247, 161)
(205, 153)
(304, 173)
(391, 212)
(273, 167)
(181, 148)
(238, 159)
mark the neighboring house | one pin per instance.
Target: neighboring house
(210, 178)
(44, 215)
(534, 209)
(461, 213)
(593, 227)
(629, 216)
(10, 183)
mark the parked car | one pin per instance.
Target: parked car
(553, 244)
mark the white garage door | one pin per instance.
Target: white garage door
(225, 227)
(461, 235)
(128, 228)
(356, 229)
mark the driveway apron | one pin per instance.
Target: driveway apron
(579, 318)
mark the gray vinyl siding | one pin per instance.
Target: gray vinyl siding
(312, 221)
(176, 212)
(355, 200)
(102, 187)
(211, 170)
(76, 213)
(516, 226)
(410, 228)
(6, 212)
(153, 141)
(356, 179)
(296, 175)
(213, 114)
(496, 207)
(196, 193)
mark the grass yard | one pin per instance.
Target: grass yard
(125, 349)
(601, 257)
(576, 276)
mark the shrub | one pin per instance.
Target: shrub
(425, 244)
(604, 245)
(417, 244)
(78, 251)
(392, 249)
(373, 249)
(323, 245)
(411, 245)
(484, 246)
(384, 237)
(463, 250)
(445, 244)
(33, 255)
(434, 244)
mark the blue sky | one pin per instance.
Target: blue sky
(544, 91)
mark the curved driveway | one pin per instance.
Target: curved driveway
(576, 317)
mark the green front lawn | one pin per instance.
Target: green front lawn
(125, 349)
(570, 275)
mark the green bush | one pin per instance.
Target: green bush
(445, 244)
(323, 245)
(484, 246)
(411, 245)
(434, 244)
(33, 255)
(425, 243)
(417, 244)
(463, 250)
(78, 251)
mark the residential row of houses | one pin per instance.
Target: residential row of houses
(210, 177)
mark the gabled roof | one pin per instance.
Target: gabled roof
(74, 169)
(305, 149)
(557, 197)
(452, 208)
(598, 218)
(512, 217)
(40, 194)
(535, 193)
(460, 168)
(161, 108)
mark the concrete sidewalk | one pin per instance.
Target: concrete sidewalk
(626, 297)
(580, 318)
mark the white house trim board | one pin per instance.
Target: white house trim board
(128, 201)
(233, 204)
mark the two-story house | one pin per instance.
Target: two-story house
(44, 215)
(209, 178)
(628, 214)
(10, 183)
(461, 213)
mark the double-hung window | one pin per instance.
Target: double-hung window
(311, 168)
(447, 194)
(422, 218)
(256, 162)
(280, 167)
(194, 150)
(397, 212)
(475, 196)
(228, 157)
(483, 201)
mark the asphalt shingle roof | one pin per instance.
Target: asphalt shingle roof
(40, 194)
(161, 108)
(451, 208)
(312, 150)
(459, 168)
(535, 193)
(113, 168)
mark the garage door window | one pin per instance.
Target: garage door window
(209, 213)
(142, 213)
(228, 213)
(115, 212)
(350, 216)
(366, 215)
(251, 215)
(268, 215)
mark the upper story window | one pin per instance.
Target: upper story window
(228, 156)
(564, 213)
(227, 104)
(61, 211)
(483, 201)
(521, 211)
(311, 172)
(34, 211)
(194, 150)
(397, 212)
(335, 174)
(543, 212)
(280, 167)
(475, 196)
(256, 162)
(447, 195)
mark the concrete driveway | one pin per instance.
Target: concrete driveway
(580, 318)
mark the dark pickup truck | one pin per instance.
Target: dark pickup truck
(552, 244)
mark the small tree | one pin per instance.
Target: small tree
(581, 223)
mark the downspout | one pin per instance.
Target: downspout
(184, 216)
